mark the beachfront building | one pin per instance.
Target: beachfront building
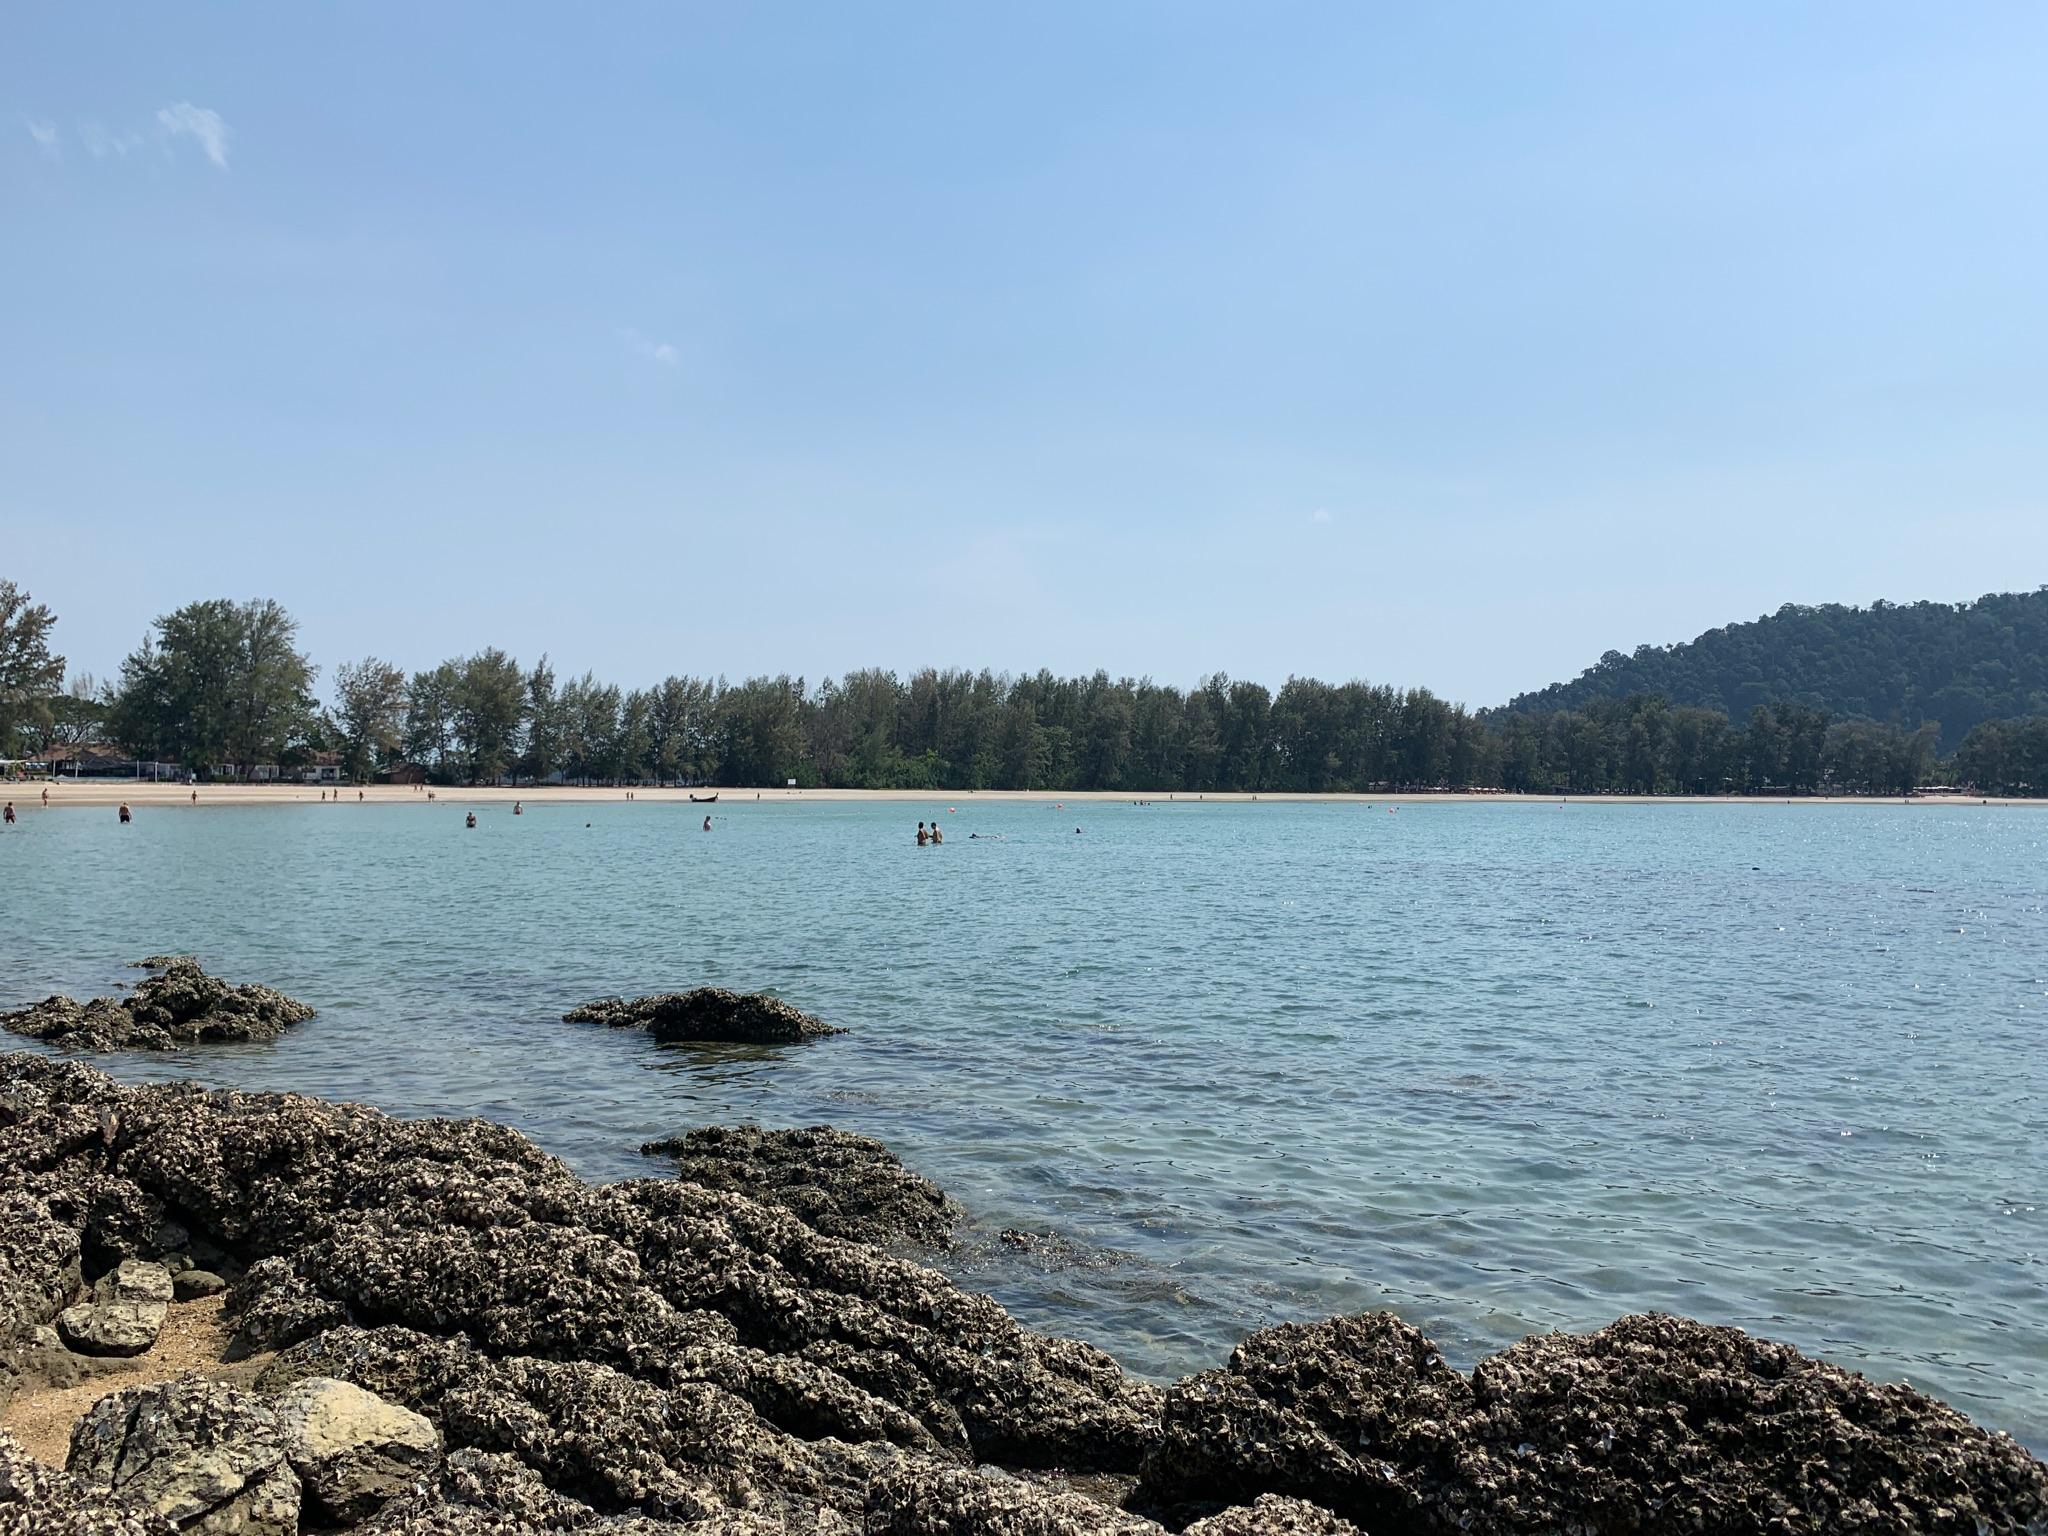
(94, 760)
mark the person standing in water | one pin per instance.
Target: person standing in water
(8, 815)
(126, 815)
(707, 823)
(937, 835)
(471, 820)
(923, 836)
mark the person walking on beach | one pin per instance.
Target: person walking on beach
(46, 797)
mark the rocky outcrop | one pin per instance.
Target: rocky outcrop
(124, 1313)
(653, 1347)
(205, 1457)
(36, 1500)
(661, 1356)
(40, 1259)
(272, 1306)
(353, 1451)
(1651, 1423)
(839, 1184)
(708, 1015)
(178, 1006)
(1272, 1515)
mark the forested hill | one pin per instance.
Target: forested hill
(1904, 664)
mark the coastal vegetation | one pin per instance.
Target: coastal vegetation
(1831, 700)
(1954, 665)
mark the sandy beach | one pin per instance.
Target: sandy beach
(109, 792)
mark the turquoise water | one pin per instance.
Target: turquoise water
(1500, 1068)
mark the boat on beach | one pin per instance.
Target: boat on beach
(704, 799)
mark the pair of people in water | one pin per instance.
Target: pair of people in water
(933, 836)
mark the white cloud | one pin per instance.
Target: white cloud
(1322, 515)
(45, 135)
(182, 119)
(660, 351)
(101, 141)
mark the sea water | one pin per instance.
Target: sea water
(1500, 1068)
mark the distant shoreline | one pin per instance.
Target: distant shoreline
(27, 797)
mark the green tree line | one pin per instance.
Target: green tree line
(223, 688)
(1954, 665)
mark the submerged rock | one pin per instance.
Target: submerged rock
(178, 1006)
(708, 1014)
(839, 1184)
(205, 1457)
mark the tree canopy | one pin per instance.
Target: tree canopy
(1955, 665)
(31, 674)
(218, 685)
(222, 687)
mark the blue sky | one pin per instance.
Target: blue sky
(1436, 345)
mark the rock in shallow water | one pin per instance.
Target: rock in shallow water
(180, 1005)
(1652, 1423)
(840, 1184)
(657, 1356)
(708, 1014)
